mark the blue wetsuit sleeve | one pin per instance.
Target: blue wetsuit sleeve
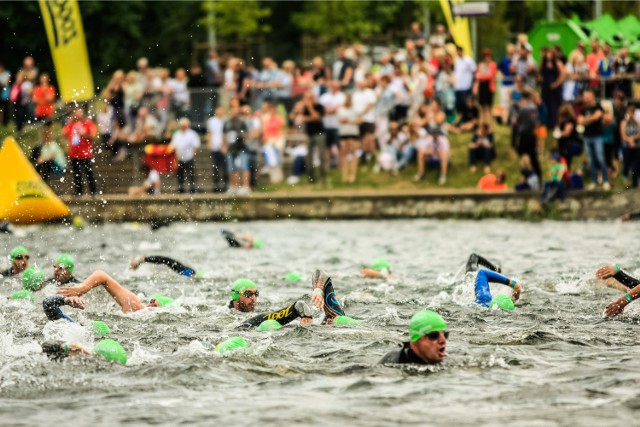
(51, 306)
(482, 290)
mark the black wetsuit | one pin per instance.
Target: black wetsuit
(625, 279)
(634, 216)
(475, 260)
(53, 281)
(332, 308)
(283, 316)
(54, 350)
(231, 239)
(176, 266)
(8, 272)
(403, 355)
(51, 306)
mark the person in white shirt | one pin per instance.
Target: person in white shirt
(186, 143)
(180, 97)
(464, 69)
(332, 101)
(215, 134)
(364, 102)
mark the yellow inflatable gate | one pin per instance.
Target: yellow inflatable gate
(24, 197)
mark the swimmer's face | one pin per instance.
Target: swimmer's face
(247, 300)
(430, 348)
(60, 273)
(21, 263)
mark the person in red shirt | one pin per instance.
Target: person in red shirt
(493, 183)
(44, 96)
(81, 132)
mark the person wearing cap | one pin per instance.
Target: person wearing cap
(62, 271)
(379, 269)
(491, 274)
(428, 341)
(19, 257)
(244, 295)
(186, 143)
(242, 240)
(174, 265)
(622, 281)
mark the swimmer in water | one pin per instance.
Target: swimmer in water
(176, 266)
(630, 216)
(58, 350)
(19, 257)
(630, 283)
(323, 296)
(491, 274)
(428, 341)
(241, 240)
(379, 269)
(244, 295)
(62, 271)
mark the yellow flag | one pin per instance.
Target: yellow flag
(24, 197)
(458, 27)
(68, 48)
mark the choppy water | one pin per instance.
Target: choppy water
(554, 361)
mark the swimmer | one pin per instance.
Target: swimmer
(19, 257)
(379, 269)
(241, 240)
(244, 295)
(492, 275)
(4, 227)
(127, 300)
(428, 341)
(630, 216)
(614, 271)
(52, 304)
(169, 262)
(62, 271)
(323, 296)
(107, 348)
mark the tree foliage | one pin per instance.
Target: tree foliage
(237, 18)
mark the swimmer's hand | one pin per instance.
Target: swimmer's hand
(77, 349)
(72, 291)
(135, 263)
(75, 302)
(373, 274)
(306, 321)
(515, 294)
(616, 307)
(625, 217)
(606, 271)
(317, 297)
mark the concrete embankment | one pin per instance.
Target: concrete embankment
(365, 204)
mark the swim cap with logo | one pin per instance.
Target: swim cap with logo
(67, 261)
(232, 343)
(111, 350)
(379, 264)
(32, 279)
(424, 322)
(239, 286)
(18, 251)
(502, 302)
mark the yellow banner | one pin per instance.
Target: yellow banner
(24, 196)
(68, 48)
(458, 27)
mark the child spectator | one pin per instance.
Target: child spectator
(482, 148)
(529, 180)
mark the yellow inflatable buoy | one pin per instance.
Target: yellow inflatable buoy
(24, 196)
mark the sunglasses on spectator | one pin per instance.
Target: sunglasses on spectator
(249, 294)
(435, 336)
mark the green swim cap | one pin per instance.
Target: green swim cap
(18, 251)
(378, 264)
(258, 244)
(111, 350)
(67, 261)
(23, 294)
(292, 277)
(345, 321)
(503, 302)
(269, 325)
(424, 322)
(239, 286)
(199, 275)
(32, 279)
(100, 328)
(232, 343)
(78, 222)
(162, 300)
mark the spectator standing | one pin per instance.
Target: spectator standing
(630, 132)
(331, 101)
(552, 74)
(485, 86)
(624, 70)
(526, 123)
(81, 133)
(5, 90)
(342, 69)
(464, 68)
(180, 97)
(253, 141)
(215, 135)
(569, 142)
(364, 101)
(312, 114)
(591, 119)
(273, 141)
(348, 119)
(133, 91)
(235, 131)
(44, 95)
(114, 94)
(577, 77)
(523, 64)
(506, 81)
(212, 70)
(51, 160)
(186, 143)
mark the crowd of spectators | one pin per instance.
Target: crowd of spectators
(388, 112)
